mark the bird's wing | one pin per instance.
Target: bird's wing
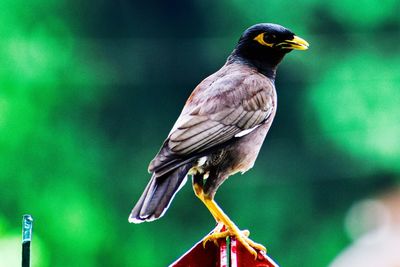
(226, 107)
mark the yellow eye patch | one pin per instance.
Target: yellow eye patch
(260, 38)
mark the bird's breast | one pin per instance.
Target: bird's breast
(245, 151)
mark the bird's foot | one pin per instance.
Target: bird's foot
(241, 236)
(216, 235)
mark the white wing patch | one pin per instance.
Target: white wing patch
(246, 132)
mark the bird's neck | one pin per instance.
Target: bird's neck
(265, 63)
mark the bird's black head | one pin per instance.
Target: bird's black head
(264, 46)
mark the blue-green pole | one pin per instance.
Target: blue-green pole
(27, 222)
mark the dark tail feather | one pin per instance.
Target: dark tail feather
(158, 194)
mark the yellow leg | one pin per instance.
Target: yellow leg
(199, 193)
(222, 218)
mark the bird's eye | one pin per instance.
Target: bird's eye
(264, 39)
(269, 38)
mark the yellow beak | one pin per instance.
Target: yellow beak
(296, 43)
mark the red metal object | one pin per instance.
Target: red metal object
(228, 253)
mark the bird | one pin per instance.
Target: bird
(221, 129)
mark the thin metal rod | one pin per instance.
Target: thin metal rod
(27, 223)
(229, 251)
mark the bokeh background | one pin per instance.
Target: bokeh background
(89, 90)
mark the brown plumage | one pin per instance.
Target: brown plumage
(222, 125)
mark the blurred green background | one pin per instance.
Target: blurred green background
(89, 90)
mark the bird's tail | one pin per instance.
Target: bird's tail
(158, 194)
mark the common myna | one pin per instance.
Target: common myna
(221, 128)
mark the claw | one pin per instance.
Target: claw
(250, 245)
(214, 237)
(241, 236)
(255, 245)
(246, 233)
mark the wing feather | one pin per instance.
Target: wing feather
(195, 141)
(216, 112)
(183, 134)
